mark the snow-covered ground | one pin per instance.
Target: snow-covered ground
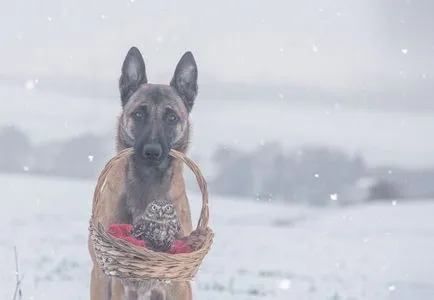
(261, 250)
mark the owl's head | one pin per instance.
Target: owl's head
(160, 209)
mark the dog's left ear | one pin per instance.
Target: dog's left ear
(185, 79)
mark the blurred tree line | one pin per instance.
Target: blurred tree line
(80, 157)
(311, 174)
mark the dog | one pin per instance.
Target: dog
(154, 119)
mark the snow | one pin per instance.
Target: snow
(261, 250)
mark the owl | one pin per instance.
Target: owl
(158, 226)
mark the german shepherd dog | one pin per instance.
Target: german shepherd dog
(154, 119)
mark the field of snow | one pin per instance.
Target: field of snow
(261, 250)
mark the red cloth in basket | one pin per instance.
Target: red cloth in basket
(123, 232)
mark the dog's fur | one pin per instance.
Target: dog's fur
(156, 116)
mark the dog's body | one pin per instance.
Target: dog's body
(154, 120)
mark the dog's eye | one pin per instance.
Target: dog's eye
(171, 117)
(139, 115)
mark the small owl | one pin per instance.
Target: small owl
(158, 226)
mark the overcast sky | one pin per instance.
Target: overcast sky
(332, 43)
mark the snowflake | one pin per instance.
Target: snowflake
(90, 158)
(392, 288)
(334, 197)
(394, 203)
(49, 19)
(404, 51)
(285, 284)
(314, 48)
(316, 175)
(30, 84)
(160, 39)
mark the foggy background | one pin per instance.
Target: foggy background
(318, 103)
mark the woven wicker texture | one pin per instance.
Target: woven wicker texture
(122, 259)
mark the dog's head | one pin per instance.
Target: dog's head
(155, 117)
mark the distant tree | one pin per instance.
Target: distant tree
(383, 190)
(15, 149)
(82, 156)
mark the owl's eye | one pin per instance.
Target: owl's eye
(153, 208)
(169, 209)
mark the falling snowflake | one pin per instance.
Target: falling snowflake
(392, 288)
(49, 19)
(389, 172)
(285, 284)
(365, 240)
(394, 203)
(132, 1)
(30, 84)
(26, 168)
(90, 158)
(103, 17)
(281, 49)
(314, 48)
(316, 175)
(404, 51)
(65, 124)
(160, 39)
(334, 197)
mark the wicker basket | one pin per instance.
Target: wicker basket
(122, 259)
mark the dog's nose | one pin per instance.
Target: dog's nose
(152, 152)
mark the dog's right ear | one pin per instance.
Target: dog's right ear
(133, 74)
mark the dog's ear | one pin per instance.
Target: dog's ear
(133, 74)
(185, 79)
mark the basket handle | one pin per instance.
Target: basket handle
(204, 214)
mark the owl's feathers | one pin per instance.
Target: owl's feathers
(158, 226)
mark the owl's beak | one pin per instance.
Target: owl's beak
(160, 213)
